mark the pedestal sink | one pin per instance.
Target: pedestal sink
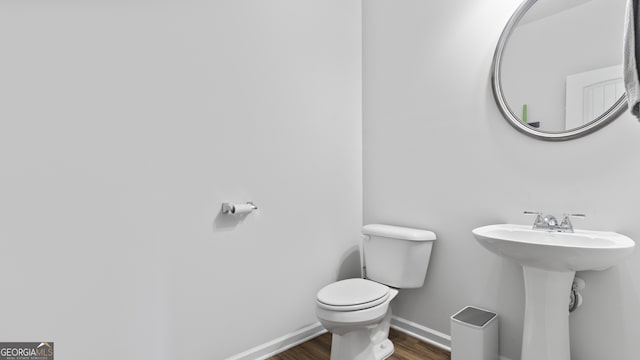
(549, 261)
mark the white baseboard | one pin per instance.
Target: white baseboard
(264, 351)
(428, 335)
(281, 344)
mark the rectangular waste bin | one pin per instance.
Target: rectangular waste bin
(474, 335)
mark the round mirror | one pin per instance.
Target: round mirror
(557, 70)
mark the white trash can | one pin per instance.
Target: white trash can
(474, 335)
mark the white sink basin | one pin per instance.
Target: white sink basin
(577, 251)
(549, 261)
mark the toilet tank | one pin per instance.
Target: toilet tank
(396, 256)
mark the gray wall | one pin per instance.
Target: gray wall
(123, 127)
(438, 155)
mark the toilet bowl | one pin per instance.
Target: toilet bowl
(357, 311)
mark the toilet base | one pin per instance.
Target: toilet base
(366, 343)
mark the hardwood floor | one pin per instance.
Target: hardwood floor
(406, 348)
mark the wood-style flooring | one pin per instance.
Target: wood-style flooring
(406, 348)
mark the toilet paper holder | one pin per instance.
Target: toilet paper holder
(234, 209)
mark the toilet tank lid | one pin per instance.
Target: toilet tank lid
(397, 232)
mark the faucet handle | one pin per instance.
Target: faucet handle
(538, 214)
(532, 213)
(566, 221)
(566, 218)
(538, 219)
(574, 215)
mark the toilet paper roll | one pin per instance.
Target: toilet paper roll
(242, 209)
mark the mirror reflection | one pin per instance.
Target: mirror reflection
(562, 65)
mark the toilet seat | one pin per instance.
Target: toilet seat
(352, 295)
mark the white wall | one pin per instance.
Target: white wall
(438, 155)
(123, 127)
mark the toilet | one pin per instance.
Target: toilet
(357, 311)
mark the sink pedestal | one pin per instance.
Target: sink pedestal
(546, 314)
(549, 261)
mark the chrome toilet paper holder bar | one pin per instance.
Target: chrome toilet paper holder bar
(229, 208)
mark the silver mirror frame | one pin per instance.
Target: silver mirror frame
(496, 81)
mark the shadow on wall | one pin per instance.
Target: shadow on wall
(605, 290)
(349, 264)
(226, 222)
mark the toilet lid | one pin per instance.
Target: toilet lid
(352, 294)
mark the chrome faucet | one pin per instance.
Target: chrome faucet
(550, 223)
